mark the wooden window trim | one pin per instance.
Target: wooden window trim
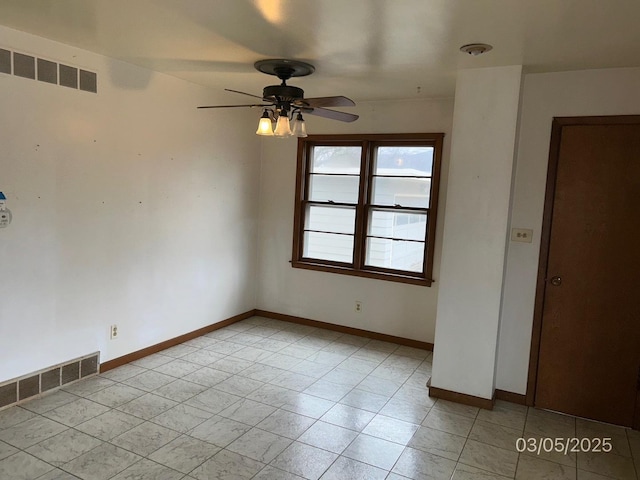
(368, 142)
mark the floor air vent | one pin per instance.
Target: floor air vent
(18, 389)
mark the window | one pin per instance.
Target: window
(366, 205)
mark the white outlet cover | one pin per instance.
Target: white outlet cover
(523, 235)
(5, 217)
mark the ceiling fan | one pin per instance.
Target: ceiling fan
(284, 103)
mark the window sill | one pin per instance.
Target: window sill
(400, 278)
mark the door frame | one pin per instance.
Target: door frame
(541, 285)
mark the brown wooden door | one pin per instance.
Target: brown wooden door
(589, 352)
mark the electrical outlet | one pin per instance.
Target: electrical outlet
(5, 218)
(113, 332)
(358, 306)
(524, 235)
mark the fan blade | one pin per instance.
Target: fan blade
(338, 101)
(234, 106)
(242, 93)
(331, 114)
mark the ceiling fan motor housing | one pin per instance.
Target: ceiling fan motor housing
(286, 99)
(282, 93)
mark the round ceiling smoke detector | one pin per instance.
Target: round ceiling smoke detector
(476, 49)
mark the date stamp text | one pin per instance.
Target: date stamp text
(564, 445)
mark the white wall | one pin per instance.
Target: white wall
(579, 93)
(129, 207)
(388, 307)
(475, 229)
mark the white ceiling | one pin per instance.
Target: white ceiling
(364, 49)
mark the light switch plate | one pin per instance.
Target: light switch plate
(524, 235)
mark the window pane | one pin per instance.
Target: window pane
(337, 188)
(395, 254)
(345, 160)
(330, 219)
(402, 225)
(407, 192)
(328, 246)
(411, 161)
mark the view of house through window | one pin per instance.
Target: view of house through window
(366, 205)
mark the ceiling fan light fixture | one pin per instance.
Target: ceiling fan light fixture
(299, 126)
(475, 49)
(265, 126)
(283, 104)
(283, 128)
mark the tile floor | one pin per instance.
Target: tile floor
(264, 399)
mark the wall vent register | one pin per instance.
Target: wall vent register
(47, 71)
(49, 379)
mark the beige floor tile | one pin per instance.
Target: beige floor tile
(374, 451)
(328, 390)
(465, 472)
(634, 443)
(145, 439)
(30, 432)
(308, 405)
(182, 418)
(405, 410)
(13, 415)
(6, 450)
(148, 470)
(259, 445)
(438, 443)
(530, 468)
(272, 473)
(304, 460)
(540, 422)
(591, 428)
(494, 434)
(226, 464)
(608, 464)
(490, 458)
(349, 417)
(457, 408)
(21, 466)
(504, 415)
(391, 429)
(328, 437)
(346, 468)
(101, 463)
(419, 465)
(76, 412)
(219, 431)
(448, 422)
(64, 447)
(286, 424)
(109, 424)
(184, 453)
(584, 475)
(49, 401)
